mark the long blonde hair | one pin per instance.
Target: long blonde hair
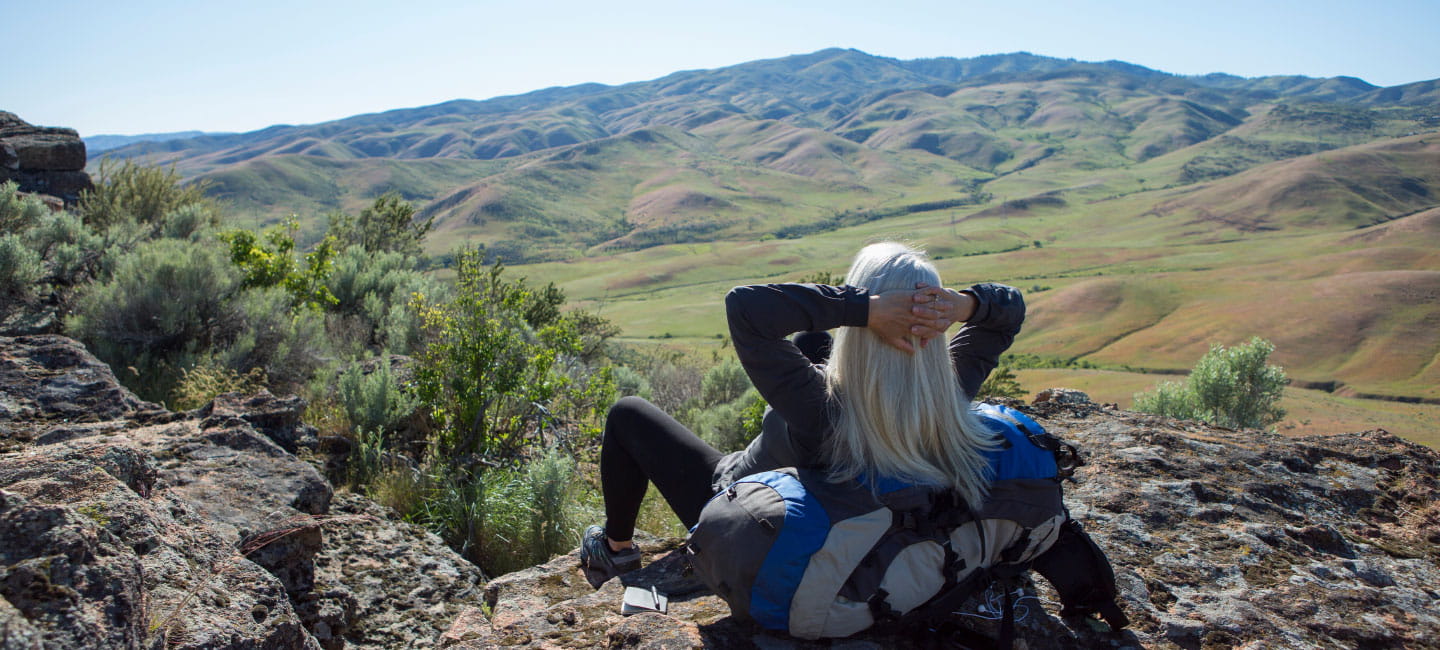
(902, 415)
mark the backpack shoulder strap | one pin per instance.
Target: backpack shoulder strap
(1013, 421)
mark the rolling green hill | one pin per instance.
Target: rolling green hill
(1147, 215)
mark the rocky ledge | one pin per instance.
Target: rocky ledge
(44, 160)
(124, 525)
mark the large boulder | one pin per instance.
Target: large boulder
(45, 160)
(40, 148)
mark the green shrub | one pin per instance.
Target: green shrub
(41, 250)
(70, 250)
(173, 304)
(503, 519)
(373, 291)
(19, 270)
(1232, 387)
(18, 212)
(674, 381)
(374, 401)
(1170, 398)
(723, 383)
(167, 306)
(629, 381)
(268, 260)
(731, 425)
(388, 225)
(1001, 383)
(139, 194)
(188, 221)
(368, 459)
(549, 477)
(288, 345)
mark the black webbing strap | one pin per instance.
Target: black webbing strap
(1007, 619)
(880, 609)
(947, 600)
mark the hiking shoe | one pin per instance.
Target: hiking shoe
(601, 563)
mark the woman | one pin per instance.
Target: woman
(885, 404)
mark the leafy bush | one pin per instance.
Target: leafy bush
(268, 260)
(1228, 387)
(19, 270)
(373, 292)
(502, 519)
(18, 212)
(731, 425)
(629, 381)
(494, 369)
(168, 305)
(41, 250)
(288, 345)
(549, 477)
(69, 249)
(674, 378)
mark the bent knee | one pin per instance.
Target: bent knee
(626, 410)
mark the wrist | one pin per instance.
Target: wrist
(969, 304)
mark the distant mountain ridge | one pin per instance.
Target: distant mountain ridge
(100, 143)
(833, 79)
(835, 92)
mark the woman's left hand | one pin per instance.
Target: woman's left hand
(941, 306)
(924, 313)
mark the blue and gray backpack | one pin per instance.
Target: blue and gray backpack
(797, 553)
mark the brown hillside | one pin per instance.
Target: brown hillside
(1356, 186)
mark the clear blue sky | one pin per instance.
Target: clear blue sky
(147, 66)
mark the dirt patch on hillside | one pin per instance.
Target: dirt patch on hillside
(669, 204)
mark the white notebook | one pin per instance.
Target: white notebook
(644, 599)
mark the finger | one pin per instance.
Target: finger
(928, 295)
(924, 332)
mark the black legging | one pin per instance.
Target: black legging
(643, 444)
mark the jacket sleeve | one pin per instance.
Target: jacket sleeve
(975, 350)
(761, 316)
